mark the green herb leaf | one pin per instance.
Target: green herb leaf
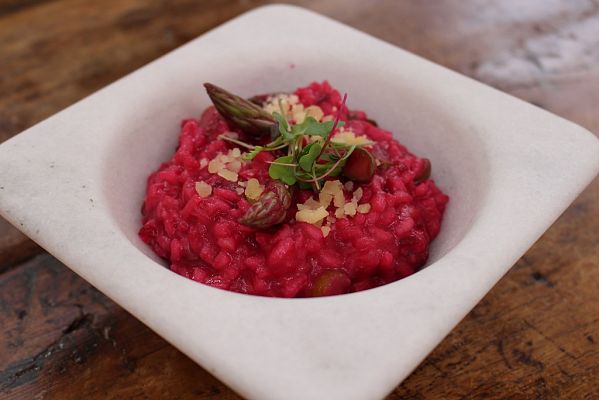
(307, 161)
(309, 157)
(330, 125)
(311, 127)
(321, 169)
(284, 173)
(283, 126)
(329, 158)
(337, 170)
(305, 186)
(253, 153)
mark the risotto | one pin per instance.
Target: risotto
(291, 195)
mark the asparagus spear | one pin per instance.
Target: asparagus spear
(240, 112)
(270, 209)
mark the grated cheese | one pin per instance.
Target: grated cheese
(332, 190)
(234, 165)
(348, 137)
(228, 175)
(291, 108)
(314, 112)
(226, 165)
(357, 194)
(281, 103)
(364, 208)
(203, 189)
(254, 189)
(215, 165)
(350, 209)
(310, 204)
(311, 216)
(297, 113)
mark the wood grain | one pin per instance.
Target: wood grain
(15, 247)
(535, 335)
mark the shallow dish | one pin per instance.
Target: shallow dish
(74, 183)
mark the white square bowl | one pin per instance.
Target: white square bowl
(75, 183)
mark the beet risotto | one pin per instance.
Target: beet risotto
(291, 195)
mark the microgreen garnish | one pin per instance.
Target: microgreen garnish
(309, 127)
(237, 142)
(311, 155)
(303, 161)
(283, 169)
(308, 156)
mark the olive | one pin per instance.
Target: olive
(330, 282)
(359, 166)
(425, 173)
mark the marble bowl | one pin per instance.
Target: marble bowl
(75, 183)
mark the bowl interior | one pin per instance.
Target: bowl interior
(417, 119)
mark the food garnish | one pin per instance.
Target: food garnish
(330, 282)
(270, 208)
(310, 155)
(240, 112)
(425, 174)
(360, 166)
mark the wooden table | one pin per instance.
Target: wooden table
(535, 335)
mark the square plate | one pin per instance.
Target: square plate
(75, 183)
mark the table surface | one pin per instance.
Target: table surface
(535, 335)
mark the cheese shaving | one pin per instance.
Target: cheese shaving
(291, 108)
(314, 112)
(214, 166)
(332, 190)
(364, 208)
(254, 189)
(357, 196)
(225, 165)
(348, 137)
(281, 103)
(228, 175)
(332, 193)
(350, 209)
(311, 216)
(203, 189)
